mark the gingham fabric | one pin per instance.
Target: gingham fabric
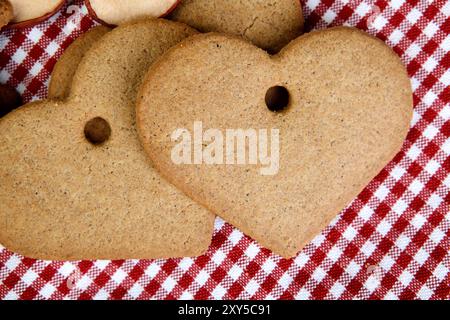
(392, 242)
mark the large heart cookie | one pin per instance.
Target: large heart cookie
(332, 109)
(75, 182)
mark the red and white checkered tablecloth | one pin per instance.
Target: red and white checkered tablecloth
(392, 242)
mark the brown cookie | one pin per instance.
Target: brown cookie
(64, 70)
(317, 122)
(28, 13)
(9, 100)
(6, 12)
(75, 182)
(268, 24)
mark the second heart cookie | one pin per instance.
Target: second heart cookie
(276, 145)
(75, 182)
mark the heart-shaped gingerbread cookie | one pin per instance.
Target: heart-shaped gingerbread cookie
(75, 182)
(276, 145)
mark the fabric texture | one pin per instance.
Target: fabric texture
(391, 242)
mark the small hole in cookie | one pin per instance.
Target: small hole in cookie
(97, 130)
(277, 98)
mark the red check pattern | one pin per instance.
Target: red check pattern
(391, 242)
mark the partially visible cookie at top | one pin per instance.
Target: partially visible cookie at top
(28, 13)
(64, 70)
(268, 24)
(6, 13)
(117, 12)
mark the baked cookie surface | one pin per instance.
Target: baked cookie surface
(64, 197)
(268, 24)
(348, 110)
(65, 68)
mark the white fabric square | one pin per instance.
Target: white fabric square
(350, 233)
(430, 132)
(135, 291)
(413, 16)
(405, 278)
(413, 50)
(337, 290)
(416, 187)
(202, 277)
(384, 227)
(47, 290)
(421, 256)
(219, 292)
(400, 206)
(19, 56)
(252, 287)
(329, 15)
(319, 274)
(353, 269)
(334, 254)
(285, 281)
(382, 192)
(434, 201)
(119, 276)
(35, 35)
(152, 270)
(398, 172)
(52, 48)
(268, 266)
(418, 221)
(413, 152)
(235, 272)
(169, 284)
(186, 263)
(252, 251)
(430, 30)
(402, 242)
(29, 277)
(430, 64)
